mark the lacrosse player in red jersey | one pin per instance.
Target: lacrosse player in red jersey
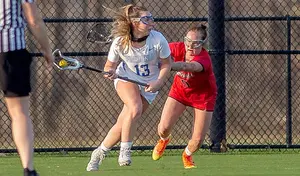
(194, 85)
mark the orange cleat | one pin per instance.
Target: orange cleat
(188, 162)
(159, 149)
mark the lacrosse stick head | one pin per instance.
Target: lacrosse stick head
(99, 33)
(65, 63)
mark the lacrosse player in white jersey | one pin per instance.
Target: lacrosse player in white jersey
(145, 57)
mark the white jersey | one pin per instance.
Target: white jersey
(141, 64)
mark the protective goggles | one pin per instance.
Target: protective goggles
(144, 19)
(193, 44)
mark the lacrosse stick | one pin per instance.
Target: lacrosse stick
(67, 63)
(99, 33)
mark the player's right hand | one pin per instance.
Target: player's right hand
(110, 74)
(49, 59)
(154, 86)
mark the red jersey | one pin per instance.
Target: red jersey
(196, 89)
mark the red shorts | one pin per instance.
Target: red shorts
(203, 101)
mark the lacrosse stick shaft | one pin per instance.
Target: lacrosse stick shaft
(133, 81)
(120, 77)
(94, 69)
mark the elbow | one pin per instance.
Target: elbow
(169, 64)
(35, 23)
(168, 67)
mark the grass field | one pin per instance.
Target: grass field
(257, 164)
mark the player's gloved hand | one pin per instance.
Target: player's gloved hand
(111, 74)
(154, 86)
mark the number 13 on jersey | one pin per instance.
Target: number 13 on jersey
(142, 70)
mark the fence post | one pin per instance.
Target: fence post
(289, 87)
(216, 47)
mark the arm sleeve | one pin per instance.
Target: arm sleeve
(113, 54)
(172, 49)
(175, 48)
(204, 61)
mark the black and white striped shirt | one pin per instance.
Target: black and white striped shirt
(12, 24)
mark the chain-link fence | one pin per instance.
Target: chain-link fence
(254, 47)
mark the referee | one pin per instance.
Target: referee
(15, 70)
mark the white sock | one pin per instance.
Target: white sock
(105, 149)
(126, 145)
(187, 152)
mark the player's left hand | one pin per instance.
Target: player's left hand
(154, 86)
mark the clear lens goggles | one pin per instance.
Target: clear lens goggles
(144, 19)
(193, 44)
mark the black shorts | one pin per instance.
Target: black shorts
(15, 73)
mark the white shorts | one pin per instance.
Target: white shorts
(149, 96)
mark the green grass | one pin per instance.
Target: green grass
(259, 164)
